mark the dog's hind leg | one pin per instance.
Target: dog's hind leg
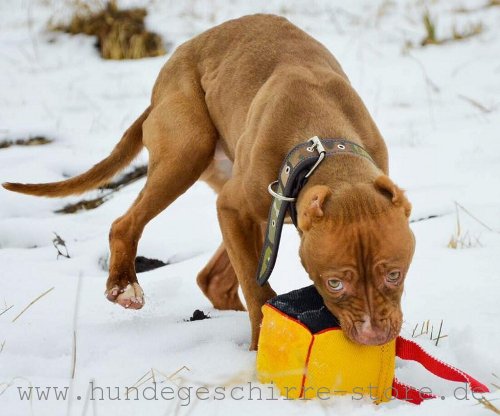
(217, 280)
(180, 138)
(219, 283)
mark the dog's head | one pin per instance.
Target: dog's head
(356, 245)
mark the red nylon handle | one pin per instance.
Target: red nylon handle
(410, 350)
(410, 394)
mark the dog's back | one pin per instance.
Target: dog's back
(235, 59)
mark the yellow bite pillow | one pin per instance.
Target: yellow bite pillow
(304, 353)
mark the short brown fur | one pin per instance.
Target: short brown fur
(251, 89)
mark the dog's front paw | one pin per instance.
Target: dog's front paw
(130, 297)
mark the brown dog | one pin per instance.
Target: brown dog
(250, 90)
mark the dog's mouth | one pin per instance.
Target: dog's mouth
(371, 337)
(365, 333)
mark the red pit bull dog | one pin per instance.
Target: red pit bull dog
(226, 108)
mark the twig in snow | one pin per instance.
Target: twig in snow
(424, 330)
(29, 20)
(73, 364)
(75, 319)
(6, 309)
(59, 244)
(457, 205)
(139, 383)
(439, 336)
(170, 377)
(474, 217)
(488, 405)
(3, 345)
(151, 375)
(88, 399)
(458, 240)
(431, 87)
(493, 384)
(414, 330)
(476, 104)
(434, 87)
(140, 379)
(32, 302)
(5, 385)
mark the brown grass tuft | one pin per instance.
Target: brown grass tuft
(431, 38)
(465, 240)
(121, 33)
(470, 31)
(430, 30)
(488, 405)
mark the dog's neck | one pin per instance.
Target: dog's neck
(351, 182)
(344, 169)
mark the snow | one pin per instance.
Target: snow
(443, 148)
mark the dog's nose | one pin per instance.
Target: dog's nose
(371, 334)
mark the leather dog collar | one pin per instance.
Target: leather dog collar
(297, 167)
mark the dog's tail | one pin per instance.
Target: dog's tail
(123, 153)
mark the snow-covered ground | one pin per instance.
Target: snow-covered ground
(438, 108)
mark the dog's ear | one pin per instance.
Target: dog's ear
(311, 205)
(384, 184)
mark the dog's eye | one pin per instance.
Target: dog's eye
(335, 285)
(394, 276)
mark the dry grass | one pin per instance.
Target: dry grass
(32, 302)
(477, 104)
(473, 29)
(430, 29)
(494, 384)
(31, 141)
(156, 376)
(121, 33)
(431, 38)
(426, 328)
(488, 405)
(465, 240)
(7, 308)
(490, 3)
(460, 239)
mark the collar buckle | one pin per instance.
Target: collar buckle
(316, 145)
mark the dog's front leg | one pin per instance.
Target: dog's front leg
(243, 240)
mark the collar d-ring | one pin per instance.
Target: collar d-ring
(277, 195)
